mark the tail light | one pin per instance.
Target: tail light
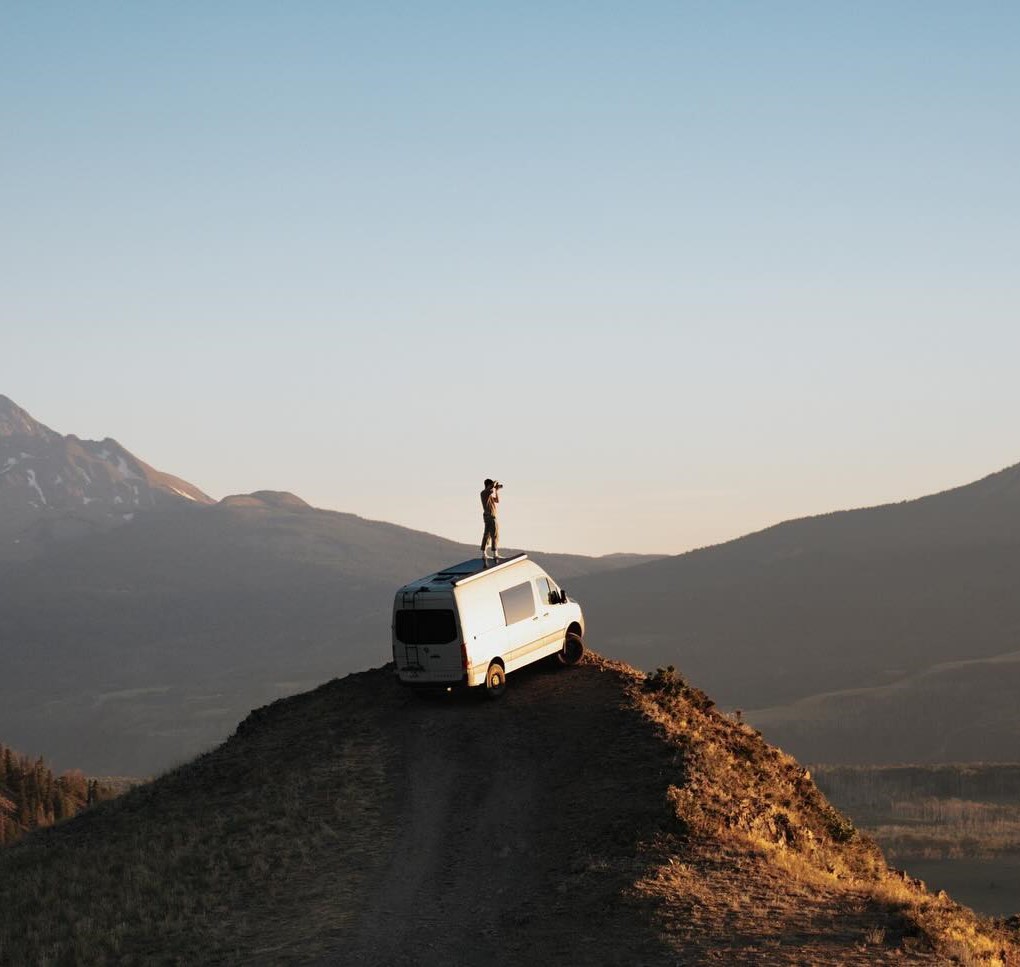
(463, 656)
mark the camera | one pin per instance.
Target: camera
(497, 485)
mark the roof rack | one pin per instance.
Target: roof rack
(484, 569)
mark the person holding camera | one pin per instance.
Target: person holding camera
(490, 498)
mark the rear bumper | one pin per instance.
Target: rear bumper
(409, 679)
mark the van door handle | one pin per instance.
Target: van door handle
(535, 618)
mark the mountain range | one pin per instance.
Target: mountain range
(54, 487)
(886, 634)
(137, 628)
(139, 618)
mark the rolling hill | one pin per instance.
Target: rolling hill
(593, 815)
(878, 635)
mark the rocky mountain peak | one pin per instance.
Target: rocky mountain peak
(54, 486)
(14, 421)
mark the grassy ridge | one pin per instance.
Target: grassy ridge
(594, 815)
(221, 856)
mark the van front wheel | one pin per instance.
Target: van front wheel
(495, 680)
(572, 650)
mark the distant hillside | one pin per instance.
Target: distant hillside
(131, 649)
(55, 487)
(32, 797)
(590, 816)
(949, 712)
(932, 812)
(879, 635)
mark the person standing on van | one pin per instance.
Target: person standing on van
(490, 498)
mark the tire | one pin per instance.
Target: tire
(495, 680)
(572, 650)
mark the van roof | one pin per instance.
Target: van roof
(457, 574)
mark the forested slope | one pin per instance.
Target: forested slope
(32, 797)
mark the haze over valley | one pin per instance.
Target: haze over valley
(141, 619)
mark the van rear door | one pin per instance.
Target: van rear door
(427, 642)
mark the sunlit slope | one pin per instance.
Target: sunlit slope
(852, 600)
(590, 816)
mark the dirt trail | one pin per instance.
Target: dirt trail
(537, 829)
(515, 827)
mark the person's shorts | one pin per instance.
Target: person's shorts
(491, 530)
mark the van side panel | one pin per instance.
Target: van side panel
(483, 627)
(484, 623)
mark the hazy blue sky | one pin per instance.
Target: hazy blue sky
(674, 271)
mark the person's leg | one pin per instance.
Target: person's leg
(495, 539)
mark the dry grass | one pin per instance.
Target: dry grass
(697, 841)
(220, 856)
(743, 796)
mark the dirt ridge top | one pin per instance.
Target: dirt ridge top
(592, 815)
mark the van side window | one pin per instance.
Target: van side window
(518, 602)
(544, 590)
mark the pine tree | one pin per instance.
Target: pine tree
(32, 797)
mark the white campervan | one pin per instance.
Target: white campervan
(472, 625)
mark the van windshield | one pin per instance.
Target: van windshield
(433, 626)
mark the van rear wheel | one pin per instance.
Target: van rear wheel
(572, 650)
(495, 680)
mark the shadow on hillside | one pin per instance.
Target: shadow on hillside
(524, 822)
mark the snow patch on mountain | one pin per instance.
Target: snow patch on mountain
(125, 471)
(32, 482)
(91, 483)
